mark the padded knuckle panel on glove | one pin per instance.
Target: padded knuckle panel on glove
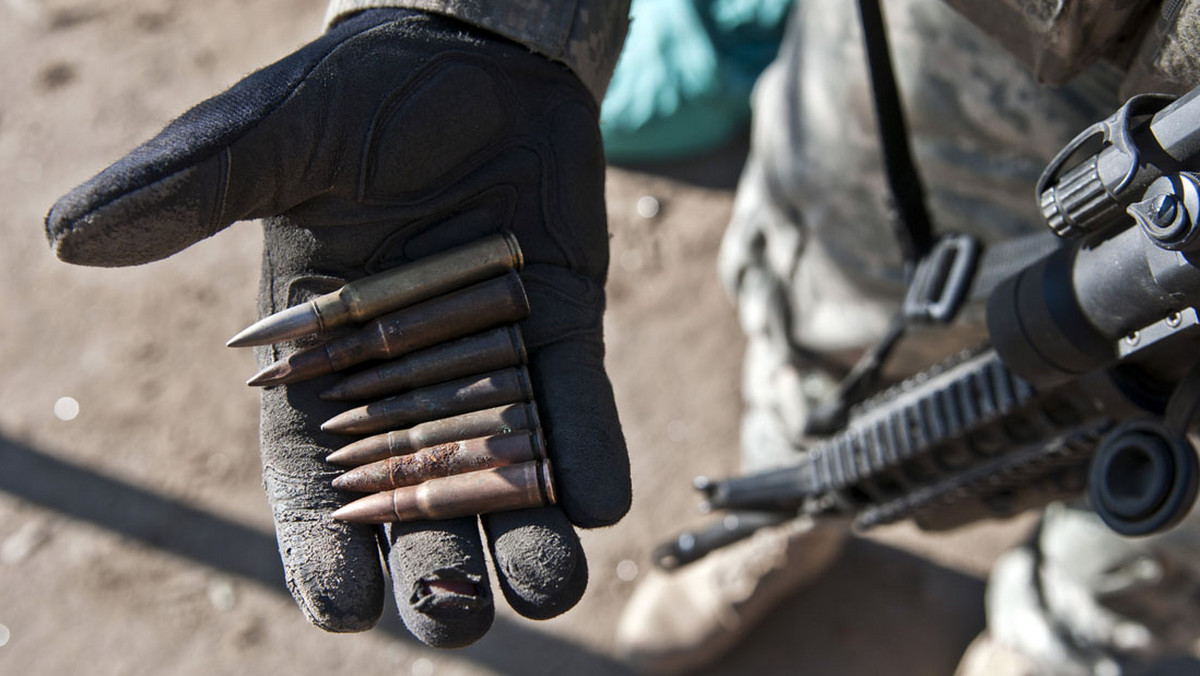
(578, 211)
(408, 151)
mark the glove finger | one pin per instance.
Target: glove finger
(579, 418)
(540, 566)
(440, 580)
(332, 568)
(228, 158)
(566, 263)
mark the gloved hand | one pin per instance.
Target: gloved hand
(396, 135)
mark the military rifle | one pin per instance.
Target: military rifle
(1088, 384)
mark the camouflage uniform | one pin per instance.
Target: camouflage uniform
(813, 266)
(809, 256)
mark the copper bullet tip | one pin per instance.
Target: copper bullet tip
(352, 454)
(272, 375)
(365, 479)
(375, 508)
(298, 366)
(347, 422)
(293, 322)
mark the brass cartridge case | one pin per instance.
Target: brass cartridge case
(464, 395)
(529, 484)
(476, 308)
(498, 420)
(390, 290)
(455, 457)
(483, 352)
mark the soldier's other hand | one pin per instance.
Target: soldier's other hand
(396, 135)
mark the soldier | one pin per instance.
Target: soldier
(813, 284)
(357, 150)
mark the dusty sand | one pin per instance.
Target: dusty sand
(134, 538)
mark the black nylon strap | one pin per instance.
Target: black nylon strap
(911, 226)
(913, 230)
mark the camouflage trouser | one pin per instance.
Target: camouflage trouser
(810, 257)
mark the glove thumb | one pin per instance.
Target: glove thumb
(241, 154)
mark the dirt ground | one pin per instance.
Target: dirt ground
(134, 538)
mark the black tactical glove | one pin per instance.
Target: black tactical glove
(397, 135)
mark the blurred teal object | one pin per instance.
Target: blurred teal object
(682, 85)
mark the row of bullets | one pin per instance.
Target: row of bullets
(451, 428)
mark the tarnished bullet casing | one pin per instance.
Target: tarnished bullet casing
(387, 291)
(529, 484)
(476, 308)
(455, 457)
(497, 420)
(473, 393)
(489, 351)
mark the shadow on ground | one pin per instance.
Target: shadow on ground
(874, 594)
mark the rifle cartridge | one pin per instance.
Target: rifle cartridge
(529, 484)
(464, 395)
(495, 349)
(455, 457)
(498, 420)
(460, 313)
(387, 291)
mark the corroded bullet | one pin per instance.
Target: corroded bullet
(387, 291)
(498, 420)
(506, 386)
(495, 349)
(528, 484)
(455, 457)
(461, 313)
